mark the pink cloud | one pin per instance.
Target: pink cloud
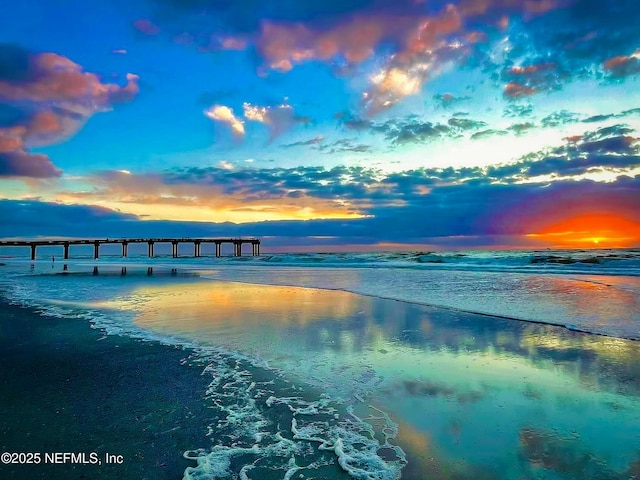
(146, 26)
(11, 138)
(284, 45)
(426, 44)
(57, 98)
(56, 79)
(234, 43)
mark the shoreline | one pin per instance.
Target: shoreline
(67, 387)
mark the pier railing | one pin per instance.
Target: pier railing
(125, 242)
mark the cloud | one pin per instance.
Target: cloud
(46, 98)
(304, 143)
(606, 149)
(562, 117)
(465, 207)
(525, 80)
(623, 66)
(284, 45)
(466, 123)
(19, 163)
(518, 110)
(52, 78)
(225, 114)
(146, 26)
(578, 41)
(345, 145)
(521, 128)
(353, 122)
(447, 100)
(518, 90)
(279, 119)
(413, 130)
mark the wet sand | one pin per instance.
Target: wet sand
(65, 387)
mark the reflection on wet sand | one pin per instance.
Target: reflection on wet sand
(546, 450)
(474, 396)
(602, 299)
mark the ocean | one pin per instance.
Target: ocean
(412, 365)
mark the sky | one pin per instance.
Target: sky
(330, 125)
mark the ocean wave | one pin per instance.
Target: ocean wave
(623, 262)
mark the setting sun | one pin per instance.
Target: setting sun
(609, 231)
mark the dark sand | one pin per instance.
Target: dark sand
(65, 387)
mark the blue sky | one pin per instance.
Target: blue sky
(323, 125)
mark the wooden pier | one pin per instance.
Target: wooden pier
(125, 242)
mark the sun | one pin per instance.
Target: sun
(594, 230)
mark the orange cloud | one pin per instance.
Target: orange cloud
(515, 90)
(150, 196)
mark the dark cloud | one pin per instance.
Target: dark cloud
(18, 163)
(608, 132)
(403, 132)
(487, 133)
(559, 118)
(598, 118)
(523, 80)
(304, 143)
(24, 217)
(466, 124)
(521, 128)
(606, 148)
(413, 130)
(447, 100)
(344, 145)
(353, 122)
(518, 110)
(317, 182)
(622, 66)
(471, 214)
(602, 118)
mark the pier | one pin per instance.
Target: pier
(125, 242)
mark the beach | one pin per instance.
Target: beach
(288, 372)
(66, 387)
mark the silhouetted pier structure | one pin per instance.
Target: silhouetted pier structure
(125, 242)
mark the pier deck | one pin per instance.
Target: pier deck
(125, 242)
